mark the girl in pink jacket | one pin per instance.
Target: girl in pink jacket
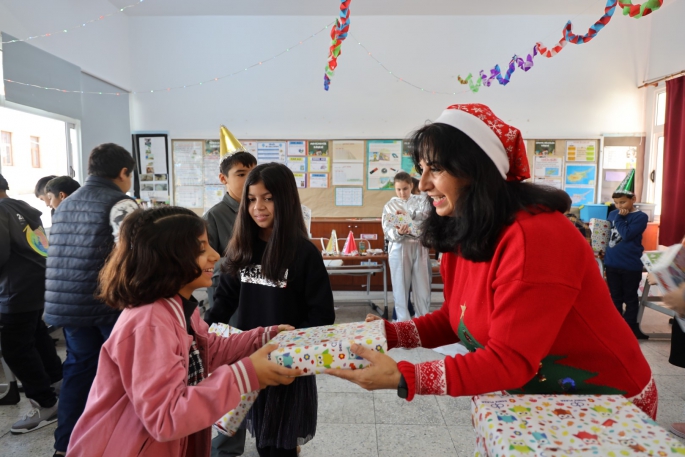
(152, 395)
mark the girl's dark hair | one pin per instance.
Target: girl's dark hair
(65, 184)
(403, 176)
(155, 257)
(487, 203)
(288, 227)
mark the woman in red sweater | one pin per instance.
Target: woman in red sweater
(522, 289)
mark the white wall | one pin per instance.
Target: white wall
(584, 91)
(101, 49)
(667, 42)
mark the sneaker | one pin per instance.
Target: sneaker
(678, 429)
(37, 418)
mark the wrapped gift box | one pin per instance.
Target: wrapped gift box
(229, 423)
(601, 231)
(317, 348)
(566, 425)
(402, 219)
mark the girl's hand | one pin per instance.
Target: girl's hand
(651, 279)
(285, 328)
(269, 373)
(381, 374)
(400, 212)
(675, 300)
(403, 229)
(372, 317)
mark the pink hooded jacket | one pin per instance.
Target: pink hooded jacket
(140, 403)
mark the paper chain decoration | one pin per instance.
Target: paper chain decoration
(338, 34)
(635, 11)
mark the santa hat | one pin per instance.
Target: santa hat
(500, 141)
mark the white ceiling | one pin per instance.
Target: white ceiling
(359, 7)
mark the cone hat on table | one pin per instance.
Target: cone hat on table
(332, 247)
(350, 247)
(627, 186)
(228, 144)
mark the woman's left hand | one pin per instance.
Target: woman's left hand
(381, 374)
(675, 300)
(285, 328)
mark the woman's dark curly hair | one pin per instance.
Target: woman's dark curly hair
(487, 203)
(155, 258)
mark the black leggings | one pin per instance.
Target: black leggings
(271, 451)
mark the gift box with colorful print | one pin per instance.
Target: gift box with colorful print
(566, 425)
(397, 220)
(315, 349)
(601, 231)
(229, 423)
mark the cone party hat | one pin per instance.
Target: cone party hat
(350, 247)
(332, 247)
(627, 186)
(228, 144)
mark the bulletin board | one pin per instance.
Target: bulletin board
(571, 165)
(320, 167)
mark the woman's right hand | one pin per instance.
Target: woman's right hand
(269, 373)
(373, 317)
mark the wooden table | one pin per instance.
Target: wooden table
(357, 269)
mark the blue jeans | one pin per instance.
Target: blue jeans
(83, 352)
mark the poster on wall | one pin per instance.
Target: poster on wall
(301, 180)
(152, 154)
(154, 186)
(349, 196)
(250, 146)
(544, 148)
(581, 195)
(348, 151)
(213, 195)
(211, 161)
(548, 167)
(190, 196)
(556, 183)
(297, 164)
(408, 160)
(271, 152)
(320, 164)
(318, 148)
(318, 180)
(619, 157)
(580, 151)
(187, 159)
(581, 175)
(384, 161)
(297, 148)
(348, 174)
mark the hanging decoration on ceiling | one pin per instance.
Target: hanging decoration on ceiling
(78, 26)
(338, 35)
(637, 11)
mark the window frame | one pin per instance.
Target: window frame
(35, 152)
(7, 150)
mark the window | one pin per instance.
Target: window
(6, 148)
(654, 185)
(35, 152)
(660, 109)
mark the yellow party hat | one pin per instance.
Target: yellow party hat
(228, 143)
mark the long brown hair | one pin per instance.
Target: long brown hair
(288, 227)
(155, 257)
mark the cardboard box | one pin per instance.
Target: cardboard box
(566, 425)
(315, 349)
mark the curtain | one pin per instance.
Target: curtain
(672, 227)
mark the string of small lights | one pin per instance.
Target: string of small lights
(79, 26)
(186, 86)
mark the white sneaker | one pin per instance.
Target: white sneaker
(37, 418)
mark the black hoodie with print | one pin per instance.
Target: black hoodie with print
(23, 249)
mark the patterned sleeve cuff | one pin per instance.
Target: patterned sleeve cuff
(408, 371)
(269, 333)
(245, 376)
(402, 335)
(426, 378)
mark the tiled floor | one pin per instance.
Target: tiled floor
(354, 422)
